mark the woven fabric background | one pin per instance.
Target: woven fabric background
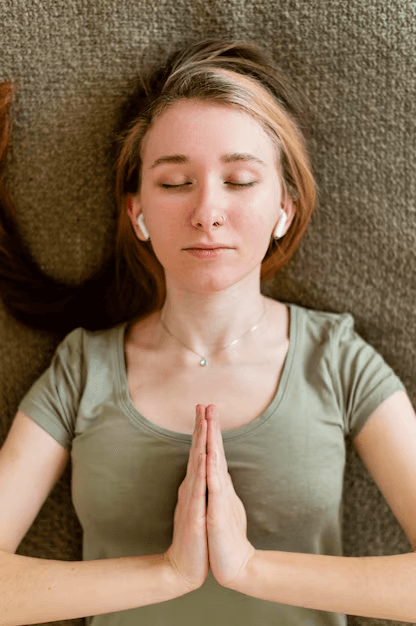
(73, 62)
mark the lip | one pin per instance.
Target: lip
(204, 253)
(205, 246)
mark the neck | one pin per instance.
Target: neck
(211, 325)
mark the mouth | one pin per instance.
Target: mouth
(207, 253)
(208, 246)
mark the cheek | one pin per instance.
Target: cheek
(160, 209)
(253, 219)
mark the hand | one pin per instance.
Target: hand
(229, 548)
(188, 554)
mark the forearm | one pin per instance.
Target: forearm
(40, 590)
(382, 587)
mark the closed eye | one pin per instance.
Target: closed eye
(173, 186)
(165, 186)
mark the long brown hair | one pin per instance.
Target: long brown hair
(131, 283)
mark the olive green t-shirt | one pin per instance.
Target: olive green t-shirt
(287, 465)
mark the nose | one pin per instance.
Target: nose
(208, 204)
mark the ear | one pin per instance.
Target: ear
(134, 209)
(289, 208)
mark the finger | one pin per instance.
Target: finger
(198, 412)
(197, 440)
(199, 485)
(200, 415)
(216, 440)
(215, 456)
(201, 433)
(201, 469)
(211, 435)
(213, 470)
(212, 414)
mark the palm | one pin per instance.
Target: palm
(229, 548)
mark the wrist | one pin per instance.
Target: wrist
(239, 582)
(174, 579)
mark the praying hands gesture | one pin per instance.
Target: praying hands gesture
(214, 534)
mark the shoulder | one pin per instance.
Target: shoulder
(83, 341)
(322, 338)
(322, 326)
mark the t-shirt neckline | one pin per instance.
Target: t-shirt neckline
(139, 420)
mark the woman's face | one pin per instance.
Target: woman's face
(181, 198)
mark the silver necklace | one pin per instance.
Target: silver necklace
(204, 360)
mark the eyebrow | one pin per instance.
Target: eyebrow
(226, 158)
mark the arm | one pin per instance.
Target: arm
(382, 587)
(35, 591)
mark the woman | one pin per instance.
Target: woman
(213, 390)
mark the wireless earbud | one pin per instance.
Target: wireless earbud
(140, 222)
(280, 228)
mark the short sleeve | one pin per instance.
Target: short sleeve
(362, 378)
(53, 400)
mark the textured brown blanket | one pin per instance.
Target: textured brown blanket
(73, 62)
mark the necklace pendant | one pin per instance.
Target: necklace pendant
(203, 361)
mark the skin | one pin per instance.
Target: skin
(209, 303)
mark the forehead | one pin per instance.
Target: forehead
(193, 126)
